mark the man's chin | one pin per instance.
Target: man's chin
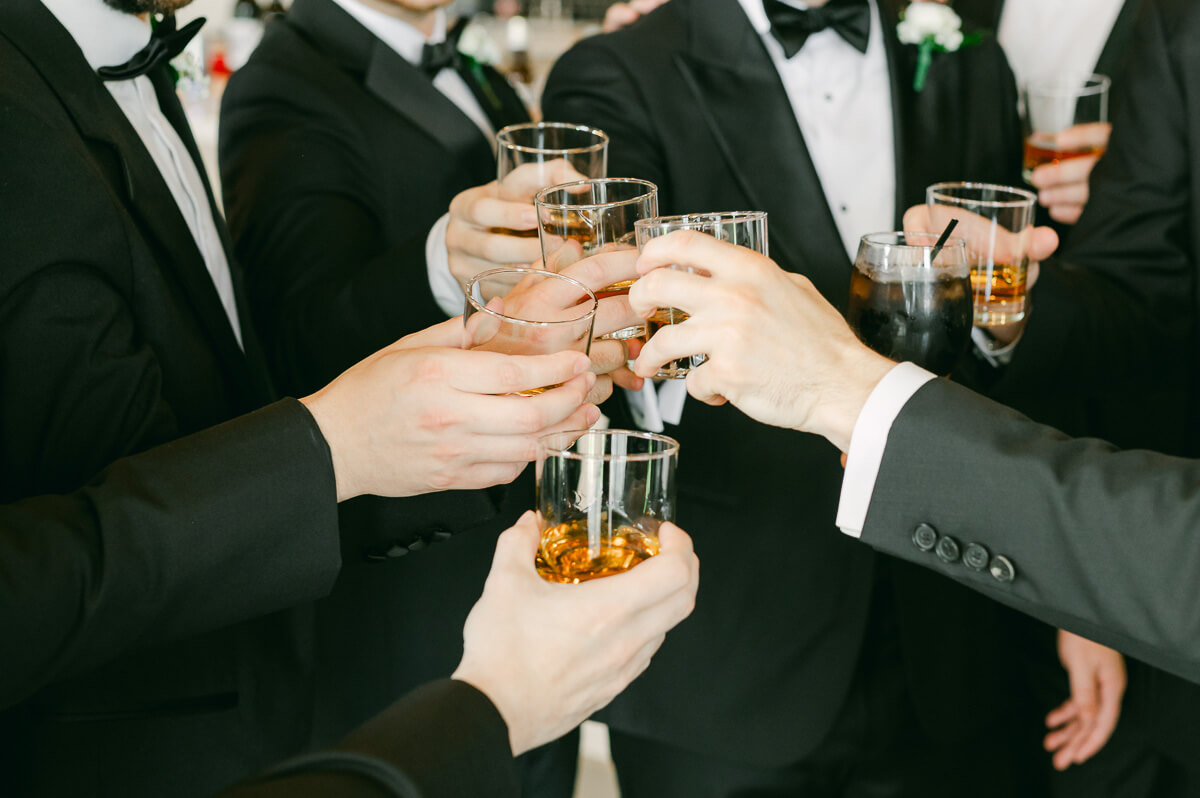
(147, 6)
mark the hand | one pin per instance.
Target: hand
(1083, 723)
(609, 357)
(619, 15)
(479, 234)
(413, 418)
(979, 235)
(776, 349)
(1043, 241)
(1063, 187)
(549, 655)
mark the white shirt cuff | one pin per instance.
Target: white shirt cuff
(994, 353)
(447, 291)
(869, 441)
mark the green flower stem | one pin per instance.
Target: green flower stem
(924, 59)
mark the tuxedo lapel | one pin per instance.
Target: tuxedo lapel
(172, 109)
(928, 124)
(393, 80)
(57, 58)
(739, 95)
(1112, 57)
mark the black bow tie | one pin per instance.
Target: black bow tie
(792, 26)
(443, 55)
(165, 43)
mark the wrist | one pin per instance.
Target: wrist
(335, 437)
(838, 408)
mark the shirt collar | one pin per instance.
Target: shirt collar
(407, 41)
(106, 36)
(758, 15)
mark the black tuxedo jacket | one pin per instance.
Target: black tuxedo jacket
(442, 740)
(692, 102)
(113, 339)
(1098, 541)
(190, 512)
(1121, 340)
(337, 156)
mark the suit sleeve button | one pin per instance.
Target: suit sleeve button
(976, 557)
(924, 537)
(1002, 569)
(948, 550)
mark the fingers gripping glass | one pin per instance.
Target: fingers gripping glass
(601, 497)
(996, 223)
(528, 312)
(1051, 106)
(743, 228)
(588, 217)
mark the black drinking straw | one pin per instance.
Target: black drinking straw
(941, 242)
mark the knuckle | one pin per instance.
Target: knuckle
(436, 419)
(528, 419)
(441, 479)
(430, 369)
(448, 451)
(510, 376)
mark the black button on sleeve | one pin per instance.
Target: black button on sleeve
(948, 550)
(1002, 569)
(924, 537)
(976, 557)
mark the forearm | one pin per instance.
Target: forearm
(443, 740)
(133, 558)
(1100, 542)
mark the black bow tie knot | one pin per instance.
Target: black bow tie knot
(851, 19)
(445, 54)
(165, 43)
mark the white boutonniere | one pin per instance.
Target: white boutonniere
(188, 71)
(934, 27)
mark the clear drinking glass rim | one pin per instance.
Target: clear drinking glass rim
(873, 238)
(671, 445)
(539, 198)
(1093, 84)
(529, 322)
(935, 189)
(502, 137)
(690, 221)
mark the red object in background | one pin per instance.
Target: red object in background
(217, 65)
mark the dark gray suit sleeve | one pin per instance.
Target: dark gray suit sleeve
(228, 524)
(442, 740)
(1100, 542)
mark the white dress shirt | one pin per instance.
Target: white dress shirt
(108, 37)
(870, 439)
(1048, 38)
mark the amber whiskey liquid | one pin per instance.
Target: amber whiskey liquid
(999, 293)
(675, 369)
(567, 553)
(1040, 150)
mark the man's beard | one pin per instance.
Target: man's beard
(147, 6)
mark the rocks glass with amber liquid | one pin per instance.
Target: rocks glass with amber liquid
(528, 312)
(911, 301)
(1050, 106)
(546, 153)
(601, 497)
(586, 217)
(743, 228)
(996, 223)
